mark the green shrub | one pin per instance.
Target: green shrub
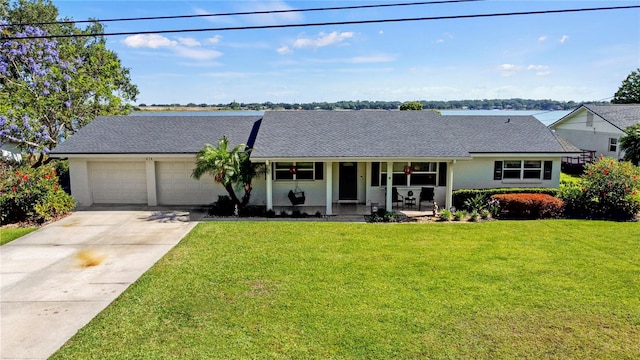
(223, 207)
(32, 195)
(445, 215)
(529, 206)
(609, 190)
(253, 211)
(475, 203)
(485, 214)
(462, 195)
(459, 215)
(474, 216)
(384, 216)
(569, 180)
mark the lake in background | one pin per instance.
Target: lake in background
(545, 117)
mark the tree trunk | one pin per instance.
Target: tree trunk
(232, 194)
(246, 196)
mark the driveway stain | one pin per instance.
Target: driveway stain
(88, 258)
(71, 224)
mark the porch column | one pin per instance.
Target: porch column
(448, 203)
(152, 194)
(328, 175)
(388, 200)
(269, 174)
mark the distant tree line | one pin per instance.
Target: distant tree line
(486, 104)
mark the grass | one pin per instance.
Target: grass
(498, 290)
(10, 234)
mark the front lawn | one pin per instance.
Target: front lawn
(10, 234)
(274, 290)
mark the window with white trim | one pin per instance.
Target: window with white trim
(298, 170)
(522, 170)
(407, 173)
(613, 144)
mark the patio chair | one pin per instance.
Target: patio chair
(396, 198)
(426, 194)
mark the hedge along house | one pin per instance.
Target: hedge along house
(333, 156)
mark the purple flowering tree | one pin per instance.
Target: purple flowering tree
(36, 93)
(50, 88)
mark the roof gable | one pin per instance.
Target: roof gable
(619, 115)
(157, 134)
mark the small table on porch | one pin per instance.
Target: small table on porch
(410, 202)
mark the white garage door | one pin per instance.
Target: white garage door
(118, 182)
(177, 187)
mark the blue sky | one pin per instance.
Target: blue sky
(571, 56)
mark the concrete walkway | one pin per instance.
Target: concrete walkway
(55, 280)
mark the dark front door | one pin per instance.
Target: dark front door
(348, 183)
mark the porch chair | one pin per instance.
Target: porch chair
(396, 198)
(426, 194)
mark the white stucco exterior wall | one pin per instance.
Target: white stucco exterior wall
(591, 134)
(478, 174)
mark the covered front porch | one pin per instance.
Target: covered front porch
(352, 186)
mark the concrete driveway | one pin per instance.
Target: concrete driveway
(55, 280)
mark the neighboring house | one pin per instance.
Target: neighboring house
(333, 156)
(10, 152)
(597, 129)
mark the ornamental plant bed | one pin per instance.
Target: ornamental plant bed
(529, 206)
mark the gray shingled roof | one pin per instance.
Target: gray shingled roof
(620, 115)
(156, 134)
(503, 134)
(318, 134)
(354, 134)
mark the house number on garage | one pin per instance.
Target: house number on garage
(149, 158)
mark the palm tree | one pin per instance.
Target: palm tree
(228, 167)
(630, 143)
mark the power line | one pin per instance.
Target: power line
(245, 13)
(357, 22)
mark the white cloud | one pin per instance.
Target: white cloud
(191, 42)
(564, 39)
(381, 32)
(512, 69)
(153, 41)
(214, 40)
(185, 47)
(197, 54)
(446, 36)
(542, 38)
(283, 50)
(322, 40)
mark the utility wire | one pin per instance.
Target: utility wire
(246, 13)
(330, 23)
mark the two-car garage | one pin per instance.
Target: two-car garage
(128, 182)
